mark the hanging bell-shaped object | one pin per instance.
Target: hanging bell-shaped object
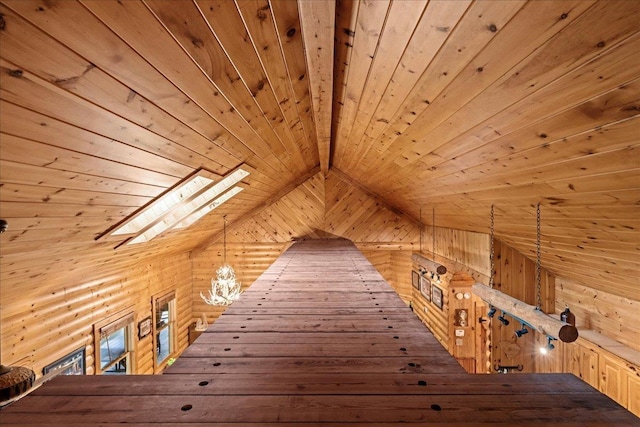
(568, 317)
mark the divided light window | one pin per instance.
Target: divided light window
(114, 343)
(164, 314)
(183, 205)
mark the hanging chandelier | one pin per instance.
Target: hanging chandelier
(224, 288)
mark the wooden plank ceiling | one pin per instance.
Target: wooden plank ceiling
(319, 339)
(428, 105)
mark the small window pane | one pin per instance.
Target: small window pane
(113, 346)
(162, 315)
(118, 368)
(163, 345)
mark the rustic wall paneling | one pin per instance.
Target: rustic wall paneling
(395, 267)
(610, 315)
(64, 304)
(600, 367)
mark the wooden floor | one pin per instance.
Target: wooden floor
(319, 339)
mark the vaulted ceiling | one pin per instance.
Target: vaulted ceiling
(429, 107)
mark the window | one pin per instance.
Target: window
(114, 345)
(164, 328)
(181, 206)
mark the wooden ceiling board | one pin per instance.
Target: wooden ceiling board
(404, 106)
(461, 44)
(450, 86)
(263, 30)
(537, 77)
(81, 77)
(287, 21)
(412, 37)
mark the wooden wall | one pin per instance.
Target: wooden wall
(358, 215)
(46, 317)
(613, 316)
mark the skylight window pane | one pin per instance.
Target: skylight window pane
(182, 212)
(163, 205)
(196, 197)
(202, 212)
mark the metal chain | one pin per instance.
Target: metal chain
(421, 230)
(225, 240)
(538, 269)
(491, 254)
(433, 232)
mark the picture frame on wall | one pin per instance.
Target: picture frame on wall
(144, 327)
(425, 288)
(415, 279)
(71, 364)
(436, 296)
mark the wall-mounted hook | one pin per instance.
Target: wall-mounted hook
(506, 369)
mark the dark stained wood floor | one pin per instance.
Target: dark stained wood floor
(319, 339)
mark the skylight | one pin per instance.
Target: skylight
(183, 205)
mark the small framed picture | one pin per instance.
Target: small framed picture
(425, 288)
(144, 328)
(71, 364)
(436, 296)
(415, 279)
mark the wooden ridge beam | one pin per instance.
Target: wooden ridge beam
(317, 22)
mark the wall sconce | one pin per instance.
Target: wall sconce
(549, 346)
(522, 331)
(431, 265)
(492, 312)
(431, 275)
(503, 320)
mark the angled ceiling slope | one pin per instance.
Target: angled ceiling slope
(424, 104)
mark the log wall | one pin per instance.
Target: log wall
(47, 318)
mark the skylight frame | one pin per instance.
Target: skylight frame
(176, 205)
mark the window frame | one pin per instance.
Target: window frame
(126, 319)
(156, 302)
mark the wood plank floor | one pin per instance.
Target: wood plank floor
(319, 339)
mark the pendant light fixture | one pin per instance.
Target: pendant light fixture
(527, 315)
(225, 289)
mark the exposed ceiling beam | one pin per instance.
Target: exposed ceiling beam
(317, 20)
(346, 178)
(251, 213)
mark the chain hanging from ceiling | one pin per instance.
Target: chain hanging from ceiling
(225, 289)
(491, 252)
(538, 263)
